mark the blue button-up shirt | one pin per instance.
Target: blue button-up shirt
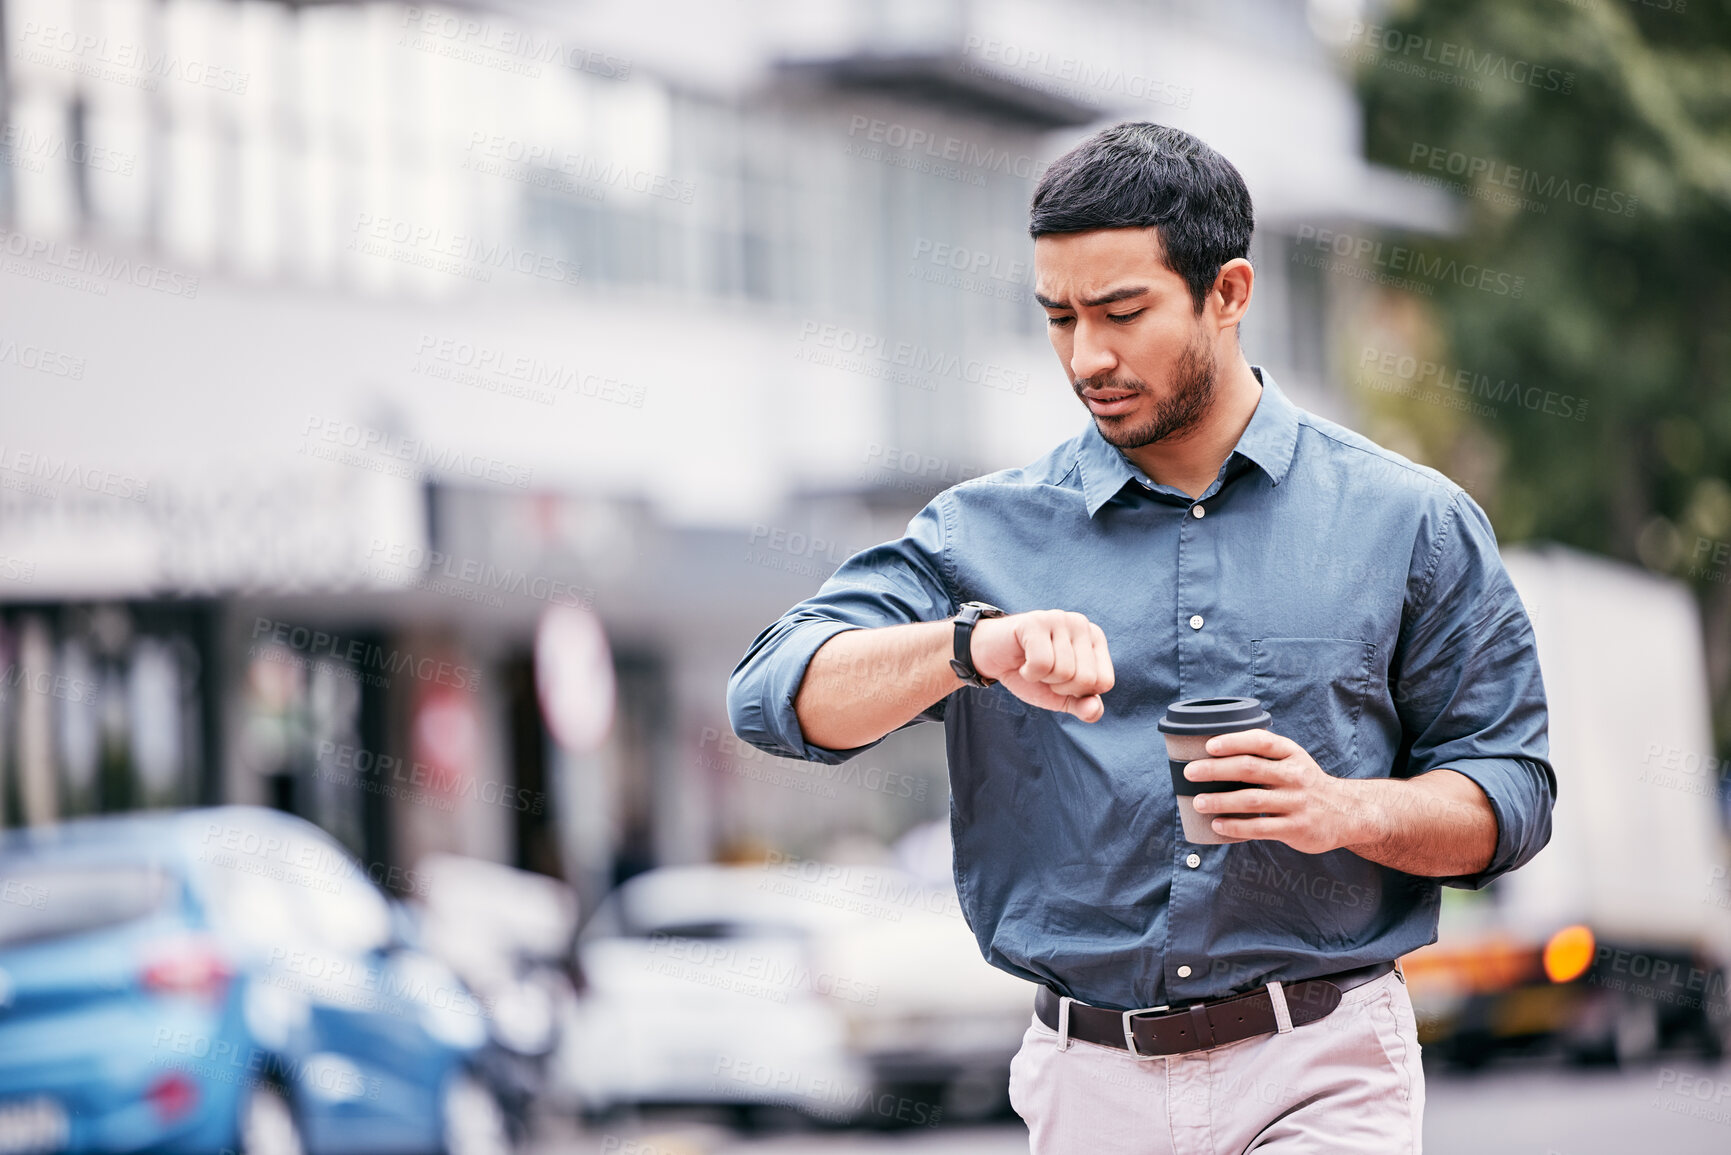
(1358, 595)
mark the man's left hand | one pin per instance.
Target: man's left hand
(1307, 808)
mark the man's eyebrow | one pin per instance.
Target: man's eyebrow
(1095, 302)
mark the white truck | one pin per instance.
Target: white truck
(1614, 942)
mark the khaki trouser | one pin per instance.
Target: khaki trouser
(1350, 1082)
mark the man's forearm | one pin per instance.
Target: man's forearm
(862, 684)
(1438, 825)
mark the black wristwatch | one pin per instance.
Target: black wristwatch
(963, 662)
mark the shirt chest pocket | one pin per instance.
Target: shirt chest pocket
(1316, 689)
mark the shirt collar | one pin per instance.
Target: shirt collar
(1268, 441)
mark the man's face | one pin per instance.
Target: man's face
(1127, 332)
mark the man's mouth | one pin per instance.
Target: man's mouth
(1109, 402)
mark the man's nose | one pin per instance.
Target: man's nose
(1091, 355)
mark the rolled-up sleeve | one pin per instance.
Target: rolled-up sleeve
(1468, 686)
(897, 583)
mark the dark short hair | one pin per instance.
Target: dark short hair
(1136, 175)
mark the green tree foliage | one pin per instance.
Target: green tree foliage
(1590, 141)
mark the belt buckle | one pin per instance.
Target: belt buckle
(1130, 1035)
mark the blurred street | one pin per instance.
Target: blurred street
(1512, 1110)
(1550, 1111)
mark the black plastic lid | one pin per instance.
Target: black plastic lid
(1214, 716)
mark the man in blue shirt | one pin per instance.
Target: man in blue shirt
(1202, 537)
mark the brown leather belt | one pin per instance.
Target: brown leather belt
(1208, 1023)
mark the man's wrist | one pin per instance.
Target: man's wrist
(1366, 813)
(1438, 824)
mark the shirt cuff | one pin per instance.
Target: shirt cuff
(764, 714)
(1521, 793)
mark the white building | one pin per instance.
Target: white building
(402, 323)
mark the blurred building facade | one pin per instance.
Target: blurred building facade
(350, 340)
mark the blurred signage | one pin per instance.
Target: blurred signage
(574, 678)
(447, 738)
(212, 534)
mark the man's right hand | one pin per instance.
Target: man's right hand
(1054, 659)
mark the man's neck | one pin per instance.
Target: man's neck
(1191, 463)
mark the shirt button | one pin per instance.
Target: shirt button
(1195, 621)
(1197, 511)
(1183, 972)
(1193, 861)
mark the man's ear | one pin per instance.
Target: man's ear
(1230, 297)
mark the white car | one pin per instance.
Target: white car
(698, 988)
(852, 994)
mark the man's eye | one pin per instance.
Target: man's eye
(1122, 317)
(1057, 322)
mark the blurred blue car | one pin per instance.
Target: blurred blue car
(223, 980)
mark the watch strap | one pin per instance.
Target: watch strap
(963, 661)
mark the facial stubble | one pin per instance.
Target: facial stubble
(1193, 382)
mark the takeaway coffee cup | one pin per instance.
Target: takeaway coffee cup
(1188, 725)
